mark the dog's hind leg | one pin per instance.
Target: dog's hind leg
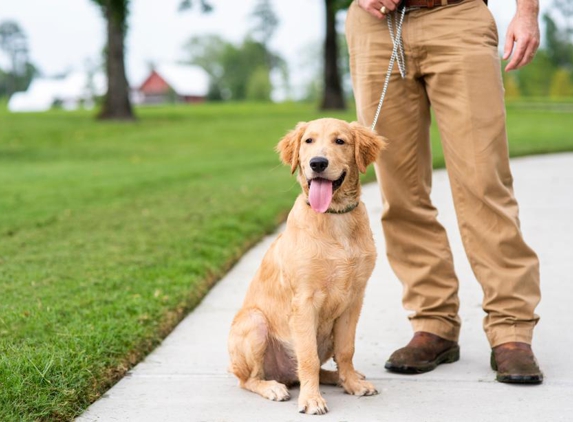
(248, 342)
(327, 377)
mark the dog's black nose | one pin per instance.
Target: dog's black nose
(318, 164)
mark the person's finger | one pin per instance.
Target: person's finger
(379, 10)
(376, 13)
(375, 10)
(372, 7)
(375, 7)
(389, 4)
(516, 56)
(509, 42)
(529, 54)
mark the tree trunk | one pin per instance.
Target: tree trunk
(116, 103)
(333, 97)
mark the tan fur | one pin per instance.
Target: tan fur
(303, 304)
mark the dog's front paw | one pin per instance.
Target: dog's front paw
(359, 387)
(276, 391)
(312, 405)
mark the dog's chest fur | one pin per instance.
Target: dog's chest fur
(335, 255)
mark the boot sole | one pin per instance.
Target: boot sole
(449, 356)
(520, 379)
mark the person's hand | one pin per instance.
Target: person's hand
(373, 6)
(522, 39)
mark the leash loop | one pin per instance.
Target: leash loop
(397, 56)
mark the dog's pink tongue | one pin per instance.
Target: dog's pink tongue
(320, 194)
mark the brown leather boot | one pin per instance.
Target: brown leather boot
(515, 363)
(423, 354)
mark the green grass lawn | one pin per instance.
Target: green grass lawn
(110, 233)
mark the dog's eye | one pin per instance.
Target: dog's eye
(340, 141)
(309, 141)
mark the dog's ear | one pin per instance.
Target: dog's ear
(289, 146)
(367, 145)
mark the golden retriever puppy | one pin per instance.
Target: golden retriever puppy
(303, 304)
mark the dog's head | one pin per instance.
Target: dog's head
(330, 154)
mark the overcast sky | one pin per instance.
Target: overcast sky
(63, 34)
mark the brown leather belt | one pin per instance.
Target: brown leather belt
(430, 3)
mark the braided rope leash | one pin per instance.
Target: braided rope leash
(397, 56)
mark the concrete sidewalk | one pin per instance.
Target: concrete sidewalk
(186, 378)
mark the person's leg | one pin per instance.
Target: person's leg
(462, 73)
(416, 243)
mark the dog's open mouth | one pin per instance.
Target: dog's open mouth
(320, 192)
(335, 184)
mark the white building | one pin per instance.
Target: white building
(77, 89)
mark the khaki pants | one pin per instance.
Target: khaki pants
(453, 65)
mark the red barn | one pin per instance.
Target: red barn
(170, 83)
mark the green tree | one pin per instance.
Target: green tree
(565, 8)
(264, 26)
(188, 4)
(231, 67)
(511, 86)
(561, 85)
(535, 78)
(558, 46)
(240, 63)
(265, 22)
(259, 86)
(3, 82)
(14, 43)
(207, 51)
